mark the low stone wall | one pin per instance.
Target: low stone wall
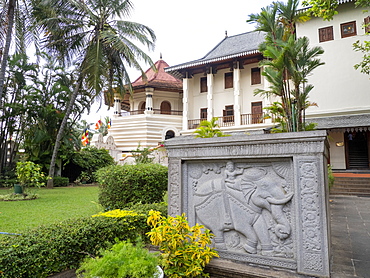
(264, 197)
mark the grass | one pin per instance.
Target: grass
(53, 205)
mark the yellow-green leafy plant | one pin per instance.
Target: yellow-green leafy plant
(185, 250)
(209, 129)
(330, 176)
(123, 260)
(29, 174)
(133, 221)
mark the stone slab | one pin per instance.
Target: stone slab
(265, 197)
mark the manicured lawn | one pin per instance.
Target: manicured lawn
(53, 205)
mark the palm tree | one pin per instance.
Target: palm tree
(89, 33)
(289, 60)
(16, 24)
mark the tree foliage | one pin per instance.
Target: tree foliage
(89, 33)
(364, 47)
(328, 8)
(91, 159)
(289, 60)
(36, 96)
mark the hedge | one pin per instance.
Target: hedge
(123, 185)
(54, 248)
(61, 181)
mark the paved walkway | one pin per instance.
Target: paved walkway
(350, 236)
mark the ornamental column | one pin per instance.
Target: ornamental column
(210, 95)
(117, 105)
(149, 101)
(185, 102)
(237, 93)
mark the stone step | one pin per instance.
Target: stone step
(351, 182)
(351, 185)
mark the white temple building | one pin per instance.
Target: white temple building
(152, 114)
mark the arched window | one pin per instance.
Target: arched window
(166, 107)
(142, 108)
(169, 134)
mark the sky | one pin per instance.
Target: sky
(187, 30)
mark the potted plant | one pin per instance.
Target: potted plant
(28, 174)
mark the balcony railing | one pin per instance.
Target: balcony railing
(252, 119)
(155, 111)
(246, 119)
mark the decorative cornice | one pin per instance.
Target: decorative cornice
(342, 121)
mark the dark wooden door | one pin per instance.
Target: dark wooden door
(257, 112)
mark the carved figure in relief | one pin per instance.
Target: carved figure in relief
(239, 201)
(231, 173)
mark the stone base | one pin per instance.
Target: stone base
(219, 268)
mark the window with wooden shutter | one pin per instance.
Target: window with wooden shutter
(203, 84)
(166, 108)
(256, 76)
(229, 80)
(203, 113)
(228, 114)
(326, 34)
(348, 29)
(367, 24)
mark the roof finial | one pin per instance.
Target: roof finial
(226, 34)
(160, 55)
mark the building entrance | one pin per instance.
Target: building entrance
(357, 155)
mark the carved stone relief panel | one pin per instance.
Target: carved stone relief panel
(247, 204)
(313, 245)
(265, 202)
(174, 187)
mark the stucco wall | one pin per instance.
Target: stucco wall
(337, 153)
(339, 88)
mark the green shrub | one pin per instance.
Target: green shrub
(91, 159)
(146, 208)
(123, 185)
(184, 249)
(29, 174)
(61, 181)
(331, 177)
(8, 182)
(55, 248)
(122, 260)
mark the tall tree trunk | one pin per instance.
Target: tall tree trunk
(4, 62)
(50, 183)
(8, 39)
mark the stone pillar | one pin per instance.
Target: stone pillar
(149, 101)
(185, 102)
(237, 93)
(210, 95)
(117, 105)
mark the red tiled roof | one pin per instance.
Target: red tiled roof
(158, 79)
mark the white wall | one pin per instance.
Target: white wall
(337, 153)
(222, 96)
(339, 89)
